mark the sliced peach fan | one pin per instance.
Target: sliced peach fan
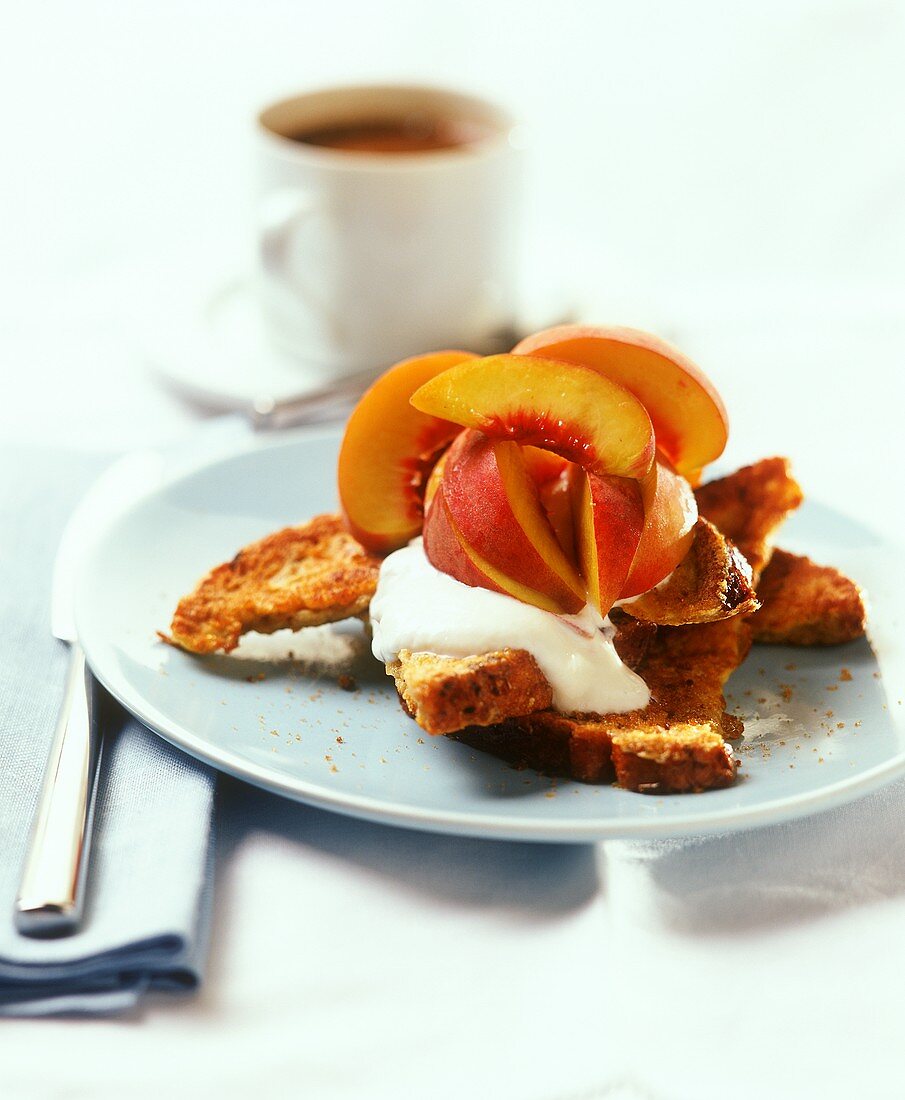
(540, 475)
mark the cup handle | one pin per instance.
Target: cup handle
(282, 212)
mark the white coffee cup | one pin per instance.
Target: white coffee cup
(368, 257)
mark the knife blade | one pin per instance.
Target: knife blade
(50, 900)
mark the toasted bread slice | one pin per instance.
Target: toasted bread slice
(750, 505)
(807, 604)
(444, 693)
(677, 743)
(300, 576)
(713, 581)
(803, 603)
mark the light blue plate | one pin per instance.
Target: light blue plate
(274, 714)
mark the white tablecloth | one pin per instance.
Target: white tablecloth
(732, 178)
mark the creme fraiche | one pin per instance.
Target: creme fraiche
(418, 608)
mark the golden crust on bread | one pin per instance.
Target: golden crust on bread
(803, 603)
(443, 694)
(749, 505)
(807, 604)
(713, 581)
(650, 758)
(299, 576)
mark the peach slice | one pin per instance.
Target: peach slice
(543, 466)
(388, 451)
(549, 473)
(609, 519)
(670, 511)
(556, 498)
(443, 546)
(689, 418)
(571, 410)
(496, 509)
(447, 550)
(433, 482)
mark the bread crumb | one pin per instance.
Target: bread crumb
(845, 675)
(347, 683)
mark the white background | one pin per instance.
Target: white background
(732, 175)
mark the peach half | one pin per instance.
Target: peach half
(574, 411)
(496, 510)
(388, 451)
(689, 418)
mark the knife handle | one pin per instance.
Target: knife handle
(51, 896)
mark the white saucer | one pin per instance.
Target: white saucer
(216, 351)
(219, 354)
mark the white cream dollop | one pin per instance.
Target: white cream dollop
(416, 607)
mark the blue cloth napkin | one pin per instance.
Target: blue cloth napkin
(150, 876)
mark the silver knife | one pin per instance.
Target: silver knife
(51, 895)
